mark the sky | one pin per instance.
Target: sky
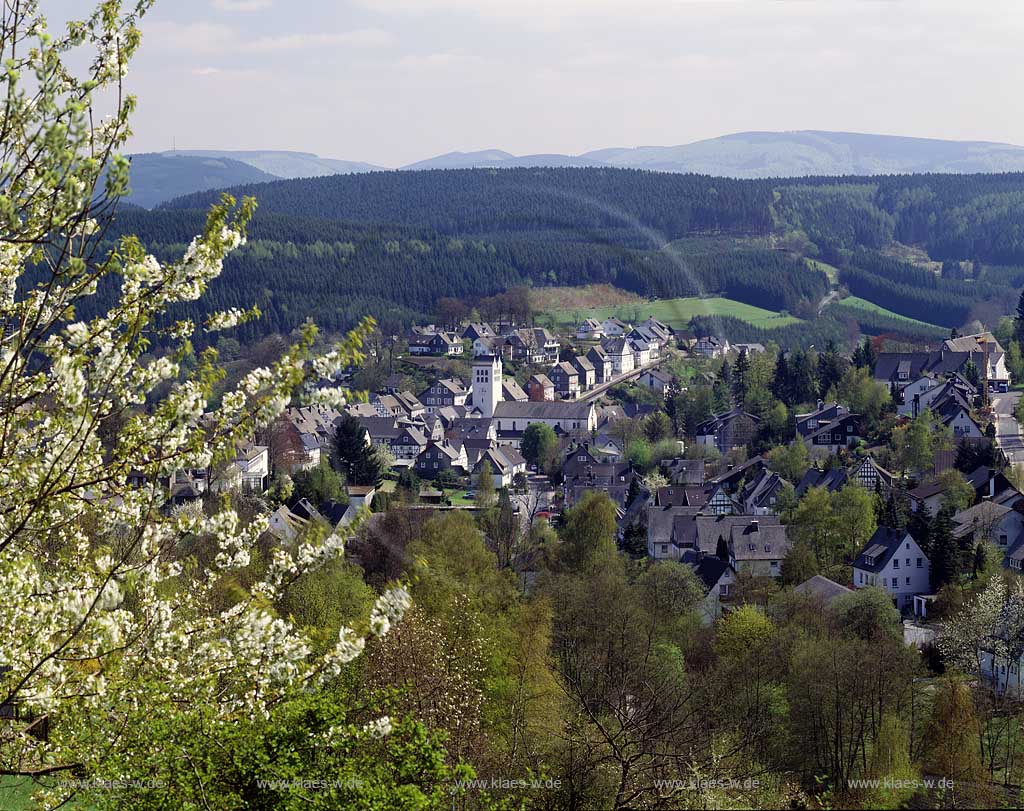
(394, 81)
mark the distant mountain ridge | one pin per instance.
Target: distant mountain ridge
(163, 176)
(772, 154)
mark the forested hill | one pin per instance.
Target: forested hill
(941, 249)
(512, 200)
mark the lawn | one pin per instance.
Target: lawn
(858, 303)
(676, 312)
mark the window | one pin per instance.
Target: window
(723, 590)
(861, 576)
(908, 581)
(895, 582)
(895, 563)
(920, 563)
(664, 549)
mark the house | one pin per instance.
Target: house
(590, 329)
(359, 498)
(393, 384)
(989, 521)
(823, 589)
(872, 477)
(613, 327)
(253, 464)
(446, 392)
(755, 544)
(437, 457)
(955, 414)
(488, 346)
(811, 422)
(511, 390)
(758, 548)
(900, 369)
(547, 343)
(709, 346)
(726, 431)
(687, 472)
(680, 496)
(1001, 660)
(733, 478)
(540, 389)
(565, 417)
(504, 464)
(761, 494)
(522, 347)
(611, 478)
(285, 525)
(720, 500)
(566, 380)
(408, 444)
(601, 362)
(717, 577)
(893, 561)
(832, 479)
(842, 432)
(652, 331)
(587, 372)
(954, 357)
(749, 349)
(643, 352)
(620, 353)
(478, 330)
(399, 404)
(300, 435)
(657, 380)
(988, 483)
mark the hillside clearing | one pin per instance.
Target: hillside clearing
(857, 303)
(675, 312)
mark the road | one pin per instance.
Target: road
(1007, 430)
(828, 299)
(601, 388)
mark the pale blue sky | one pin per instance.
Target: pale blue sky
(392, 81)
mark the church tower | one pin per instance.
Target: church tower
(487, 380)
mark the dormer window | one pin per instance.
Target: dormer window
(869, 560)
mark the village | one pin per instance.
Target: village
(917, 446)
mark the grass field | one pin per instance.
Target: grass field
(857, 303)
(675, 312)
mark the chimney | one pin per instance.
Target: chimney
(821, 404)
(991, 483)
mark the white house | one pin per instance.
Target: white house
(613, 327)
(253, 463)
(893, 561)
(589, 330)
(620, 353)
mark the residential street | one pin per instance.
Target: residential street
(1007, 430)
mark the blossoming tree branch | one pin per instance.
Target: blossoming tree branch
(101, 626)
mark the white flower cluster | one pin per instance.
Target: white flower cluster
(389, 610)
(226, 319)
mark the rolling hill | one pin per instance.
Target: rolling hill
(284, 164)
(156, 177)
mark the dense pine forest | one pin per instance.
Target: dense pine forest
(940, 249)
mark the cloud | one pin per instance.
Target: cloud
(363, 38)
(242, 5)
(216, 38)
